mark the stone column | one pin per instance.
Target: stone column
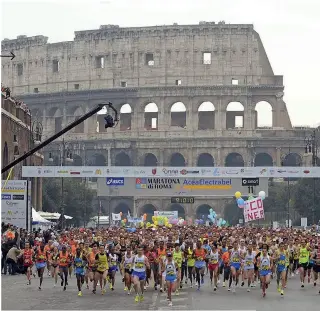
(108, 157)
(161, 157)
(64, 115)
(249, 112)
(220, 115)
(163, 114)
(137, 115)
(278, 156)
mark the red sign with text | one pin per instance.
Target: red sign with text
(253, 210)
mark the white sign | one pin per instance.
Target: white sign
(169, 214)
(14, 203)
(116, 217)
(253, 210)
(186, 172)
(304, 222)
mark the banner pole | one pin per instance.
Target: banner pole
(9, 175)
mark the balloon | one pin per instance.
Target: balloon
(156, 222)
(262, 195)
(250, 197)
(211, 210)
(237, 194)
(154, 218)
(169, 226)
(240, 202)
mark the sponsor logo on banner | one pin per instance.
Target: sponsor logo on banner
(186, 172)
(216, 172)
(98, 172)
(263, 172)
(208, 184)
(74, 173)
(232, 172)
(157, 183)
(154, 171)
(17, 197)
(86, 172)
(306, 171)
(171, 172)
(63, 172)
(173, 214)
(205, 171)
(139, 172)
(6, 197)
(250, 181)
(115, 181)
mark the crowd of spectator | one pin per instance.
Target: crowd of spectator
(13, 240)
(7, 93)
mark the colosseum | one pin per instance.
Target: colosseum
(187, 96)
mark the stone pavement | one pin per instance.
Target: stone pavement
(17, 295)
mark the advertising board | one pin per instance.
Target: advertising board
(165, 172)
(176, 186)
(14, 201)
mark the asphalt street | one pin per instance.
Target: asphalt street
(16, 295)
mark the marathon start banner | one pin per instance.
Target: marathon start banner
(177, 186)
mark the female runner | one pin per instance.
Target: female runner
(27, 255)
(41, 262)
(281, 259)
(54, 265)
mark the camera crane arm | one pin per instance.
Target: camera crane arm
(63, 131)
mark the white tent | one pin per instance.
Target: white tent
(52, 216)
(39, 222)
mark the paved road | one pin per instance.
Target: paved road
(17, 295)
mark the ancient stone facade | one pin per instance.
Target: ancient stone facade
(146, 73)
(16, 139)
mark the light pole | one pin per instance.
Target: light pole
(312, 147)
(65, 156)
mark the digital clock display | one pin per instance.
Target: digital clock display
(182, 200)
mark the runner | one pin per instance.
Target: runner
(170, 268)
(41, 262)
(79, 265)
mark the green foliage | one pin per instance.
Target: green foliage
(77, 197)
(306, 193)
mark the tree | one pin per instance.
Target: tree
(77, 198)
(306, 193)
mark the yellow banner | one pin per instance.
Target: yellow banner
(207, 187)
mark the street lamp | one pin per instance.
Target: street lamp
(65, 156)
(311, 146)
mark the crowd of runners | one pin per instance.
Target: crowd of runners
(169, 259)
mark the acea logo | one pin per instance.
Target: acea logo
(115, 181)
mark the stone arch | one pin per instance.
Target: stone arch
(263, 159)
(122, 159)
(292, 159)
(73, 114)
(77, 160)
(36, 113)
(234, 159)
(97, 159)
(5, 158)
(151, 111)
(125, 117)
(54, 119)
(178, 113)
(54, 112)
(263, 115)
(148, 209)
(150, 160)
(205, 160)
(206, 116)
(177, 160)
(124, 208)
(235, 115)
(179, 208)
(202, 211)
